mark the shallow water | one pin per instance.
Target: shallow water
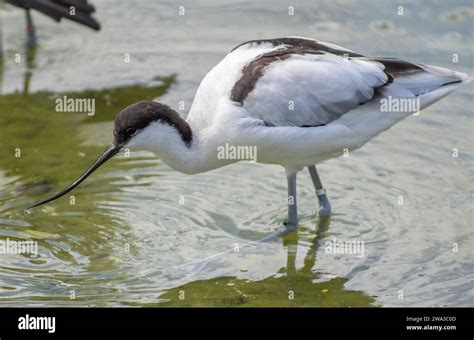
(141, 234)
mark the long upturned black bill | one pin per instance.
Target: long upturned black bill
(111, 151)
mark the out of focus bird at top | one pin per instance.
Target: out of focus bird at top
(79, 11)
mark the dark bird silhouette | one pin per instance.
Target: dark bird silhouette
(76, 10)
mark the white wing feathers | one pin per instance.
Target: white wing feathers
(313, 89)
(297, 81)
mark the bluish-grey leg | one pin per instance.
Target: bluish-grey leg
(292, 223)
(324, 205)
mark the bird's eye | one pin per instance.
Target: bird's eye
(130, 131)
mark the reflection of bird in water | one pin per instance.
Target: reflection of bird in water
(296, 284)
(76, 10)
(297, 101)
(290, 240)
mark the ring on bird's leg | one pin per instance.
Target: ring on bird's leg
(320, 192)
(324, 205)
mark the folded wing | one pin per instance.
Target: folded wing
(305, 82)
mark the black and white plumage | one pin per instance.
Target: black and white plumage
(323, 81)
(299, 101)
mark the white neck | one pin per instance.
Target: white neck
(166, 143)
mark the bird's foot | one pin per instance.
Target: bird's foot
(324, 206)
(288, 227)
(324, 214)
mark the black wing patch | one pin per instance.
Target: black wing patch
(254, 70)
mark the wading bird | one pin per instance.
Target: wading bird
(76, 10)
(299, 101)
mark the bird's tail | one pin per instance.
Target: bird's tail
(411, 88)
(439, 83)
(426, 82)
